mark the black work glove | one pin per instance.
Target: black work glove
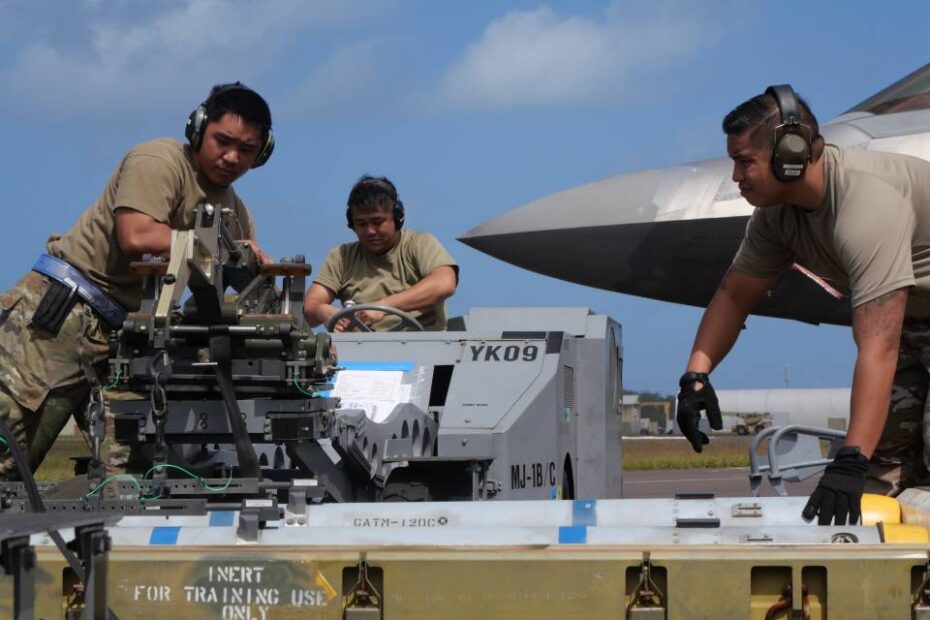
(840, 490)
(690, 404)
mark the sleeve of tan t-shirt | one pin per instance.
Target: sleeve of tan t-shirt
(332, 271)
(149, 184)
(762, 253)
(873, 239)
(429, 254)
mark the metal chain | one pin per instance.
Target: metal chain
(159, 401)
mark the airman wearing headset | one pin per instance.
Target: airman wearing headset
(54, 322)
(388, 265)
(862, 220)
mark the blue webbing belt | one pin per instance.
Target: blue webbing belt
(103, 304)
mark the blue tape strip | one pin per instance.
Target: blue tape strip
(584, 512)
(164, 536)
(573, 535)
(404, 366)
(222, 518)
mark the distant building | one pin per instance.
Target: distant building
(823, 408)
(630, 421)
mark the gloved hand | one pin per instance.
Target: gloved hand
(690, 404)
(839, 492)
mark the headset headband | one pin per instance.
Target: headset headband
(787, 103)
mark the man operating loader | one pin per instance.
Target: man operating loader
(861, 219)
(54, 322)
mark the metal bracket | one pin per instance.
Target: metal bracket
(647, 601)
(740, 510)
(94, 547)
(920, 600)
(19, 560)
(363, 602)
(253, 514)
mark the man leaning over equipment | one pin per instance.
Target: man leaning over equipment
(388, 266)
(858, 217)
(54, 322)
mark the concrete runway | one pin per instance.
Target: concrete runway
(722, 482)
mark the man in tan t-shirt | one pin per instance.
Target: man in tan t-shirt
(52, 341)
(388, 265)
(861, 219)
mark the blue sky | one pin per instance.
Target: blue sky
(472, 108)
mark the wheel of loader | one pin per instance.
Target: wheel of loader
(406, 319)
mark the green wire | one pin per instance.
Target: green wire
(110, 386)
(8, 450)
(192, 475)
(145, 476)
(302, 390)
(110, 479)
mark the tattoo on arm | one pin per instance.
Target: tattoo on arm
(881, 316)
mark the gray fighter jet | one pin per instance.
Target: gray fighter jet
(670, 234)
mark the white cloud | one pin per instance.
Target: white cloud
(110, 56)
(538, 58)
(351, 80)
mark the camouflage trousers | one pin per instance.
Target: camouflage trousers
(902, 457)
(44, 377)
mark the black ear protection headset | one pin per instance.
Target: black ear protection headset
(388, 188)
(198, 119)
(791, 148)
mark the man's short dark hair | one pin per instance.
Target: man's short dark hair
(239, 99)
(761, 116)
(372, 193)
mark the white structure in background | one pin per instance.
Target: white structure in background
(824, 408)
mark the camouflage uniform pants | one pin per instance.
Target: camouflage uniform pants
(43, 377)
(903, 454)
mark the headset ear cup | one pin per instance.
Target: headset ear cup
(790, 156)
(265, 154)
(399, 214)
(193, 131)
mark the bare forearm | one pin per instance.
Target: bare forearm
(318, 304)
(871, 394)
(877, 328)
(431, 290)
(318, 314)
(718, 331)
(737, 295)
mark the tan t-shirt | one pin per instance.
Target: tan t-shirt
(159, 178)
(353, 273)
(871, 233)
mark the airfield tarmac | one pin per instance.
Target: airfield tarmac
(730, 482)
(722, 481)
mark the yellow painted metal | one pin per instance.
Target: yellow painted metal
(901, 533)
(721, 581)
(880, 508)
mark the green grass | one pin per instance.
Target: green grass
(638, 453)
(58, 464)
(676, 453)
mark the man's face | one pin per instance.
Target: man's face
(752, 170)
(230, 145)
(375, 229)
